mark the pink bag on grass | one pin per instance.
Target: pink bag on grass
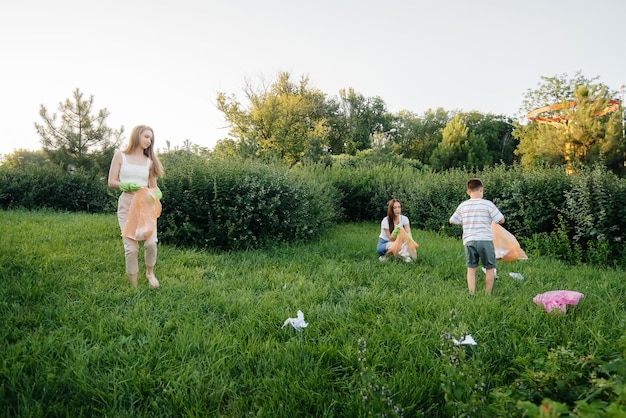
(558, 300)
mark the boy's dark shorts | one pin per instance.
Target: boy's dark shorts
(483, 250)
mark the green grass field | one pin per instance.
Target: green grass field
(75, 340)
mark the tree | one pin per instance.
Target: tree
(452, 150)
(24, 158)
(337, 127)
(362, 117)
(283, 121)
(578, 131)
(224, 149)
(78, 139)
(477, 152)
(460, 146)
(418, 136)
(588, 138)
(496, 132)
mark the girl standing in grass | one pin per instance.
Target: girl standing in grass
(131, 170)
(389, 228)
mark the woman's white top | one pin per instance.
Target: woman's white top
(134, 173)
(384, 224)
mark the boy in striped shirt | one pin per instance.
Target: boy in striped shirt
(476, 215)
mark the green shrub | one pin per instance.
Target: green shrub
(239, 204)
(565, 382)
(357, 188)
(48, 187)
(576, 218)
(233, 205)
(434, 198)
(365, 190)
(529, 199)
(595, 210)
(556, 243)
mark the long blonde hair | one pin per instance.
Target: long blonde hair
(156, 168)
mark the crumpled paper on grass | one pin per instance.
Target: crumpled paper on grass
(466, 340)
(297, 323)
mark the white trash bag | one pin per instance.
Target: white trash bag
(297, 323)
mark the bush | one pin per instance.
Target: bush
(576, 218)
(48, 187)
(596, 214)
(529, 199)
(239, 204)
(355, 188)
(234, 205)
(434, 198)
(365, 189)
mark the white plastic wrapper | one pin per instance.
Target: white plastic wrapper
(467, 340)
(297, 323)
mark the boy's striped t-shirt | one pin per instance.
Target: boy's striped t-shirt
(476, 216)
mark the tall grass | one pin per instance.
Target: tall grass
(75, 340)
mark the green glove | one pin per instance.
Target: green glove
(158, 193)
(395, 232)
(129, 187)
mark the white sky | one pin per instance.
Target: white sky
(162, 63)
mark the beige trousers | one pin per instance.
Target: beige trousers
(131, 247)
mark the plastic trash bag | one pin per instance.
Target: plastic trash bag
(558, 300)
(404, 245)
(506, 245)
(143, 212)
(297, 322)
(466, 340)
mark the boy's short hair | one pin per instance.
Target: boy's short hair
(474, 184)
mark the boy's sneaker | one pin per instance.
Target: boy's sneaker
(382, 258)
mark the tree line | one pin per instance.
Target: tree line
(292, 122)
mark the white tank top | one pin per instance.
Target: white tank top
(134, 173)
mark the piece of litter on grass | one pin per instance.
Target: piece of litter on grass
(516, 276)
(297, 322)
(557, 300)
(467, 340)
